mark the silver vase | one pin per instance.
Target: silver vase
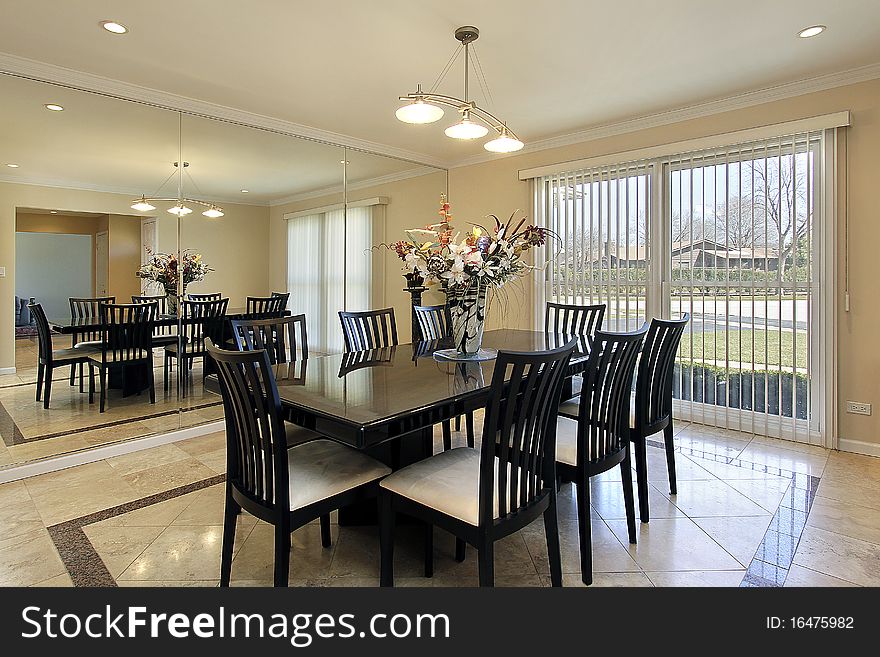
(467, 309)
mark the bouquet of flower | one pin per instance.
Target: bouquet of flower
(162, 268)
(479, 258)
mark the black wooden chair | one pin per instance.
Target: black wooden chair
(200, 320)
(285, 339)
(264, 307)
(483, 495)
(50, 358)
(370, 329)
(285, 487)
(435, 323)
(163, 334)
(85, 308)
(652, 403)
(572, 320)
(127, 341)
(598, 439)
(213, 296)
(284, 296)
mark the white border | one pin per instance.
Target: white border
(859, 447)
(93, 454)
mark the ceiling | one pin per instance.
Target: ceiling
(113, 145)
(553, 68)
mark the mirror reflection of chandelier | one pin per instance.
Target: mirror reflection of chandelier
(145, 203)
(475, 122)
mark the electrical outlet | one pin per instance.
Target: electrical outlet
(859, 408)
(2, 272)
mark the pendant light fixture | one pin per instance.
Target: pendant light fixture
(145, 203)
(475, 122)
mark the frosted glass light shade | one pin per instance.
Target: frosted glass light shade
(142, 205)
(466, 129)
(419, 112)
(504, 143)
(180, 210)
(213, 212)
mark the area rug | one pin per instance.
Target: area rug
(25, 331)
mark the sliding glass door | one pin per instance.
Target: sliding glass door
(730, 236)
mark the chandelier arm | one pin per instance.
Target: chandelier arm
(183, 199)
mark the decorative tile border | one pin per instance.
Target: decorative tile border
(82, 561)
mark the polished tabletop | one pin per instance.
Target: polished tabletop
(379, 386)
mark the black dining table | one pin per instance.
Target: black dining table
(377, 400)
(68, 325)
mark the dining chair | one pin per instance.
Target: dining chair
(49, 358)
(573, 320)
(284, 296)
(598, 439)
(85, 308)
(212, 296)
(369, 329)
(162, 333)
(127, 340)
(285, 339)
(482, 495)
(287, 488)
(435, 323)
(652, 401)
(199, 320)
(264, 307)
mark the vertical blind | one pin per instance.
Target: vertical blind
(727, 235)
(328, 270)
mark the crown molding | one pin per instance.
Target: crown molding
(106, 189)
(79, 80)
(364, 184)
(718, 106)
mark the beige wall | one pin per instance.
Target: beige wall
(494, 187)
(412, 203)
(235, 245)
(123, 257)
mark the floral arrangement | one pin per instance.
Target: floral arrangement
(162, 268)
(480, 258)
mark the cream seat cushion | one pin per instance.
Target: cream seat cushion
(322, 468)
(570, 409)
(448, 482)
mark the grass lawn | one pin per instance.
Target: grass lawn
(736, 346)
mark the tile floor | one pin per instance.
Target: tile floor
(749, 512)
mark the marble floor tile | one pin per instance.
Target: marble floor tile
(607, 498)
(18, 513)
(255, 559)
(667, 544)
(845, 518)
(171, 475)
(179, 553)
(29, 559)
(59, 581)
(604, 580)
(609, 555)
(784, 459)
(118, 547)
(148, 458)
(800, 576)
(702, 499)
(767, 492)
(840, 556)
(854, 488)
(740, 536)
(713, 578)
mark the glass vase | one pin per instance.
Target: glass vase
(467, 310)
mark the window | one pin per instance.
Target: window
(329, 267)
(734, 236)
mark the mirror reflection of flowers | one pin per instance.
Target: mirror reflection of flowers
(162, 268)
(479, 257)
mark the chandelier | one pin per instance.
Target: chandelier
(475, 122)
(145, 203)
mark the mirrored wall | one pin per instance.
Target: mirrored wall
(255, 212)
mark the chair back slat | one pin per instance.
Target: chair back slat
(370, 329)
(256, 443)
(573, 321)
(433, 322)
(520, 466)
(284, 339)
(87, 308)
(212, 296)
(653, 403)
(44, 333)
(603, 418)
(285, 297)
(161, 302)
(202, 320)
(127, 331)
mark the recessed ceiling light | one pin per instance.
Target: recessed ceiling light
(114, 27)
(811, 31)
(12, 166)
(53, 107)
(245, 191)
(53, 211)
